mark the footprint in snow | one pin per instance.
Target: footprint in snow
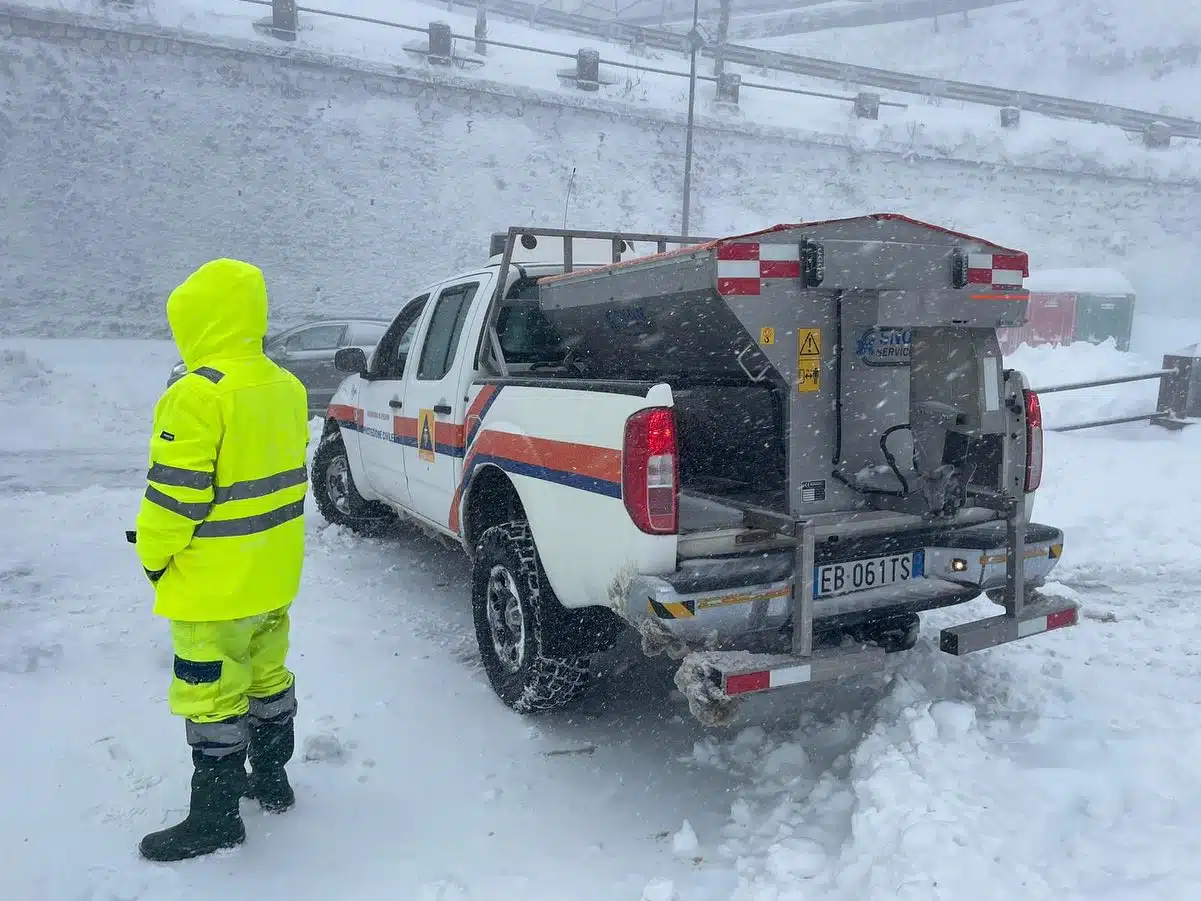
(325, 747)
(444, 890)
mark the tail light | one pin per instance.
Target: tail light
(650, 473)
(1034, 441)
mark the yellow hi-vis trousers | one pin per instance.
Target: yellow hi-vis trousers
(227, 673)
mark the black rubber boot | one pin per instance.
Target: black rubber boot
(213, 821)
(271, 747)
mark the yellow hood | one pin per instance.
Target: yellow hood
(219, 312)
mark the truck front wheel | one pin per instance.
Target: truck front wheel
(511, 604)
(337, 498)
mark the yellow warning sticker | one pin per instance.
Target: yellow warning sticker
(425, 435)
(809, 360)
(767, 335)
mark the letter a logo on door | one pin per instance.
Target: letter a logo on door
(425, 435)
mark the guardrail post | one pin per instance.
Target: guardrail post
(719, 45)
(729, 84)
(867, 105)
(1157, 135)
(282, 23)
(442, 44)
(1180, 393)
(481, 29)
(587, 70)
(1011, 117)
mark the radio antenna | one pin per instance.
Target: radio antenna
(567, 202)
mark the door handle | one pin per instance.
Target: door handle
(442, 409)
(395, 404)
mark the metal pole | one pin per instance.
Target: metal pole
(802, 590)
(1097, 423)
(1098, 383)
(1015, 563)
(696, 14)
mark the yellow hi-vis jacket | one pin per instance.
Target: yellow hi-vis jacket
(223, 511)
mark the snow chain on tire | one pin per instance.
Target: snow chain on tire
(543, 682)
(366, 517)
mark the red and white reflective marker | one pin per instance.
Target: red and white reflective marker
(745, 683)
(1039, 624)
(742, 267)
(999, 270)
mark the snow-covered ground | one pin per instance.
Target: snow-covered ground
(1059, 768)
(947, 130)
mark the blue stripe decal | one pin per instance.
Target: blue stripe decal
(391, 437)
(546, 474)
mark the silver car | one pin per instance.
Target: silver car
(307, 351)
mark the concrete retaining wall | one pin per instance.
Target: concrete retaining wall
(129, 155)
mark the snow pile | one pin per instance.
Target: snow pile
(92, 401)
(22, 377)
(1116, 51)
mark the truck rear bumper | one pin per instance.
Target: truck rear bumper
(736, 596)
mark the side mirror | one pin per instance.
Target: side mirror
(350, 359)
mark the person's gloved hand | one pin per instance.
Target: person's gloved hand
(154, 574)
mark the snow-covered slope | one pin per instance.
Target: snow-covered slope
(124, 170)
(954, 130)
(1054, 769)
(1143, 55)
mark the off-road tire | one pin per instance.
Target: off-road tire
(363, 516)
(543, 681)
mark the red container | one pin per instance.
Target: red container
(1051, 319)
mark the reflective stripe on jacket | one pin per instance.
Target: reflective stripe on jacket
(224, 501)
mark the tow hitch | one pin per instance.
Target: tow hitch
(1022, 617)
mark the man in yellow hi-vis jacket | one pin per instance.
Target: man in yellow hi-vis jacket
(220, 533)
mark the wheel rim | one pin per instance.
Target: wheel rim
(337, 484)
(506, 618)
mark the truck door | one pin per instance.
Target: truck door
(435, 398)
(383, 400)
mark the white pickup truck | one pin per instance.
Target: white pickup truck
(748, 449)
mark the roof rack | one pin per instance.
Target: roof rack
(620, 242)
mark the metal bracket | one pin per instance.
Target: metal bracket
(762, 374)
(1015, 565)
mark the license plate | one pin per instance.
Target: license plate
(860, 575)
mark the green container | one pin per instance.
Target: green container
(1103, 316)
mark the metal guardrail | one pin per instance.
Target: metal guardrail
(846, 73)
(560, 54)
(1179, 401)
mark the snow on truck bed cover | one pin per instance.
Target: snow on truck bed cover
(709, 245)
(1079, 281)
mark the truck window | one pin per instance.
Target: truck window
(388, 361)
(442, 336)
(526, 335)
